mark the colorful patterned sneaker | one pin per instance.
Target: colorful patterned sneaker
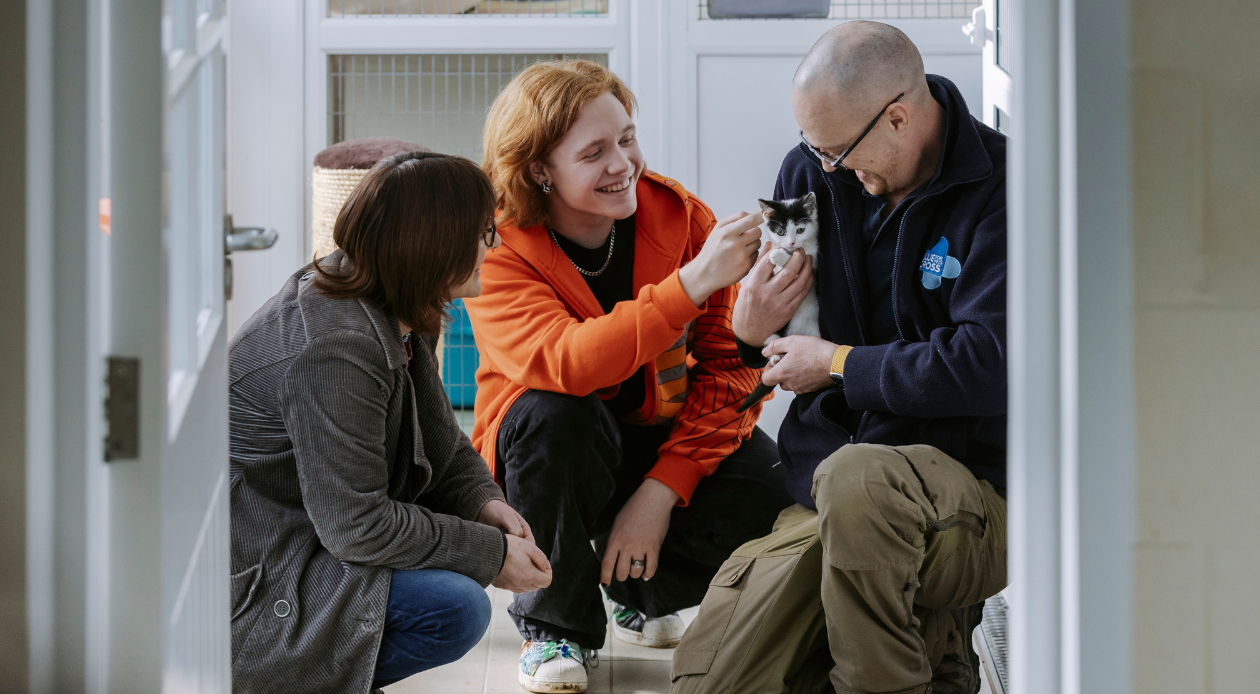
(555, 666)
(632, 626)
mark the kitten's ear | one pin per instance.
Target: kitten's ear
(767, 208)
(810, 202)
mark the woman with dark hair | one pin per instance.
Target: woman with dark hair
(365, 526)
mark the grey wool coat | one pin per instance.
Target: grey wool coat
(346, 462)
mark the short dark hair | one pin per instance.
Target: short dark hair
(410, 232)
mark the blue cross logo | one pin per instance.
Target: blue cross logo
(938, 263)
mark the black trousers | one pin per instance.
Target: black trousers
(568, 467)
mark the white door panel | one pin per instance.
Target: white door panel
(739, 151)
(195, 542)
(996, 39)
(164, 551)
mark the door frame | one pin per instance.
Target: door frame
(1071, 451)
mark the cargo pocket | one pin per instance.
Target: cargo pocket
(700, 643)
(950, 488)
(244, 586)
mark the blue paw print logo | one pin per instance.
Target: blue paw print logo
(938, 263)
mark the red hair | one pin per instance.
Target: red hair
(529, 117)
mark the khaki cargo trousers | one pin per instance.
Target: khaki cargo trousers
(876, 592)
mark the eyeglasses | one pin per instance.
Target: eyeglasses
(488, 235)
(838, 162)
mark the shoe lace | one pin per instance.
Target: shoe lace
(564, 649)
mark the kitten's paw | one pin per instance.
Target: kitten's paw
(779, 258)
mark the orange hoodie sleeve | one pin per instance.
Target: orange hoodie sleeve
(530, 337)
(708, 429)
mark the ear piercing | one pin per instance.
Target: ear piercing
(546, 187)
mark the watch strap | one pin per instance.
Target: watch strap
(837, 359)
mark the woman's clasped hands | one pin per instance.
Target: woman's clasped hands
(525, 568)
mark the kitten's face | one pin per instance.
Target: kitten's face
(792, 223)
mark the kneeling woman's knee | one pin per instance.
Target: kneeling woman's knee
(470, 611)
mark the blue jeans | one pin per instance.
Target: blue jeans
(434, 617)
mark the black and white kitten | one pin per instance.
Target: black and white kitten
(790, 224)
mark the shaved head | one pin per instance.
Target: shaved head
(864, 64)
(853, 74)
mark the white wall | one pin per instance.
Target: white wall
(267, 171)
(746, 125)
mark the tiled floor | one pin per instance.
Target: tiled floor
(491, 665)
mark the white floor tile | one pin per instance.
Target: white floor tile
(505, 644)
(627, 651)
(501, 619)
(462, 677)
(501, 677)
(640, 676)
(500, 598)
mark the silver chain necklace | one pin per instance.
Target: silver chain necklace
(612, 242)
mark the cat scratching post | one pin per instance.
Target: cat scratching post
(337, 173)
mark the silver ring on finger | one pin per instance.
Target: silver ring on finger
(638, 563)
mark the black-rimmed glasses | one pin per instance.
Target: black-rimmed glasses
(838, 162)
(488, 235)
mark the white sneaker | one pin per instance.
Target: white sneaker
(632, 626)
(555, 666)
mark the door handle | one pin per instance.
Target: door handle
(977, 30)
(236, 239)
(251, 239)
(247, 238)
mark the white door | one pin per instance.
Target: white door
(164, 613)
(990, 29)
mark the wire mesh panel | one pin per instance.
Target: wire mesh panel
(439, 101)
(890, 9)
(472, 8)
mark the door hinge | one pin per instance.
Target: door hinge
(122, 408)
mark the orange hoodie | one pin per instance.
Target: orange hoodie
(538, 326)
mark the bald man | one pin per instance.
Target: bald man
(895, 444)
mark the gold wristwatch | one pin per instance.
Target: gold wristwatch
(837, 364)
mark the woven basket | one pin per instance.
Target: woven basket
(330, 189)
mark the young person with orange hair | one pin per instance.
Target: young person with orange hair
(609, 373)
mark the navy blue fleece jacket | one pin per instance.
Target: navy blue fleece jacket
(941, 378)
